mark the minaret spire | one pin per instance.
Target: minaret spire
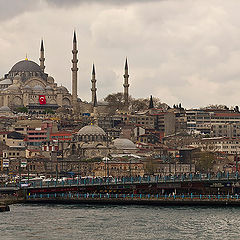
(93, 89)
(126, 86)
(74, 72)
(126, 65)
(42, 58)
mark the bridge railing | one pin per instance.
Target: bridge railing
(128, 180)
(182, 197)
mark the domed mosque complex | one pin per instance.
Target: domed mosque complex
(92, 141)
(28, 85)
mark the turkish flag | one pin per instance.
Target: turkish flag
(42, 99)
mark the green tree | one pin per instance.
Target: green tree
(48, 110)
(204, 161)
(22, 109)
(115, 101)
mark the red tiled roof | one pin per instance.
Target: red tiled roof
(4, 132)
(227, 114)
(33, 150)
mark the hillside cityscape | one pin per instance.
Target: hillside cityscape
(119, 119)
(47, 131)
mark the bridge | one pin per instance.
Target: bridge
(198, 183)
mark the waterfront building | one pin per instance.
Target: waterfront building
(218, 144)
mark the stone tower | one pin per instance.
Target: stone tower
(74, 72)
(93, 89)
(126, 85)
(42, 59)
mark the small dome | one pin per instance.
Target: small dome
(27, 87)
(91, 130)
(17, 77)
(6, 81)
(48, 88)
(64, 89)
(38, 88)
(14, 88)
(26, 66)
(50, 79)
(123, 143)
(5, 109)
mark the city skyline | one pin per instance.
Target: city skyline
(189, 57)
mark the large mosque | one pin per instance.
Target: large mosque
(28, 85)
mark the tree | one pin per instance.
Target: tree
(236, 109)
(115, 101)
(48, 110)
(216, 106)
(140, 104)
(158, 104)
(204, 161)
(22, 109)
(150, 167)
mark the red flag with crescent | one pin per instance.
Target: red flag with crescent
(42, 99)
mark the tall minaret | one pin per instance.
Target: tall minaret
(42, 59)
(74, 72)
(126, 85)
(93, 89)
(95, 109)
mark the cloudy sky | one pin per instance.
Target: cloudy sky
(184, 51)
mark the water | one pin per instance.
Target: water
(118, 222)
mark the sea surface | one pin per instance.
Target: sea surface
(118, 222)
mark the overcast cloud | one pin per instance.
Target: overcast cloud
(178, 50)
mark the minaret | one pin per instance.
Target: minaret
(42, 59)
(95, 109)
(126, 85)
(95, 100)
(74, 72)
(151, 105)
(93, 89)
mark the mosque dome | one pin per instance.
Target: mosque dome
(13, 88)
(5, 109)
(6, 82)
(48, 88)
(38, 88)
(50, 79)
(123, 143)
(26, 66)
(91, 130)
(27, 87)
(64, 89)
(17, 77)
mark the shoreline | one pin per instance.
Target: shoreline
(151, 202)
